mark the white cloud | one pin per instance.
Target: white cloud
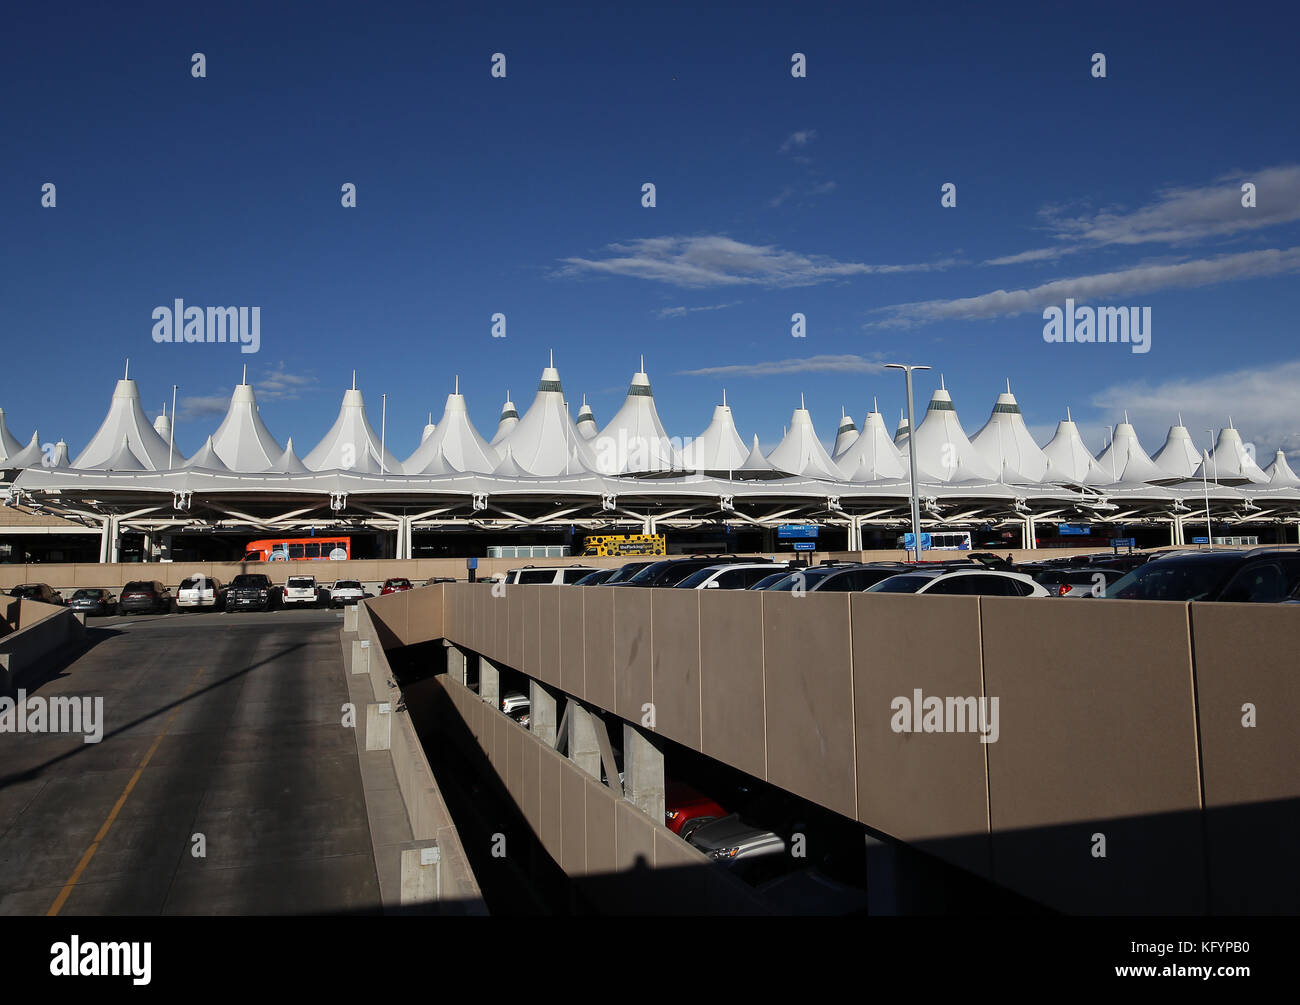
(1177, 216)
(202, 407)
(1261, 401)
(280, 384)
(715, 260)
(800, 138)
(1141, 279)
(847, 363)
(681, 312)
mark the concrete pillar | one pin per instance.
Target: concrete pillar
(350, 618)
(584, 751)
(165, 547)
(379, 726)
(541, 713)
(456, 664)
(648, 525)
(643, 772)
(361, 656)
(489, 683)
(146, 550)
(882, 877)
(421, 881)
(108, 540)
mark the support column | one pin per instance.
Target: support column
(584, 751)
(643, 772)
(648, 525)
(456, 664)
(489, 683)
(541, 713)
(146, 550)
(165, 547)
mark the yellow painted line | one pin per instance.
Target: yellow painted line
(68, 887)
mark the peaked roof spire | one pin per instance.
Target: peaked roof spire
(127, 374)
(244, 378)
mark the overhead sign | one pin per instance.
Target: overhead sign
(805, 545)
(1065, 529)
(798, 530)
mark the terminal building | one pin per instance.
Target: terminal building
(543, 479)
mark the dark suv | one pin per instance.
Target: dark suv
(837, 577)
(147, 596)
(43, 592)
(672, 571)
(1258, 576)
(251, 591)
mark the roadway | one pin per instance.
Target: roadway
(222, 734)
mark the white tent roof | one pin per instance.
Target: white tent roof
(508, 468)
(587, 421)
(873, 456)
(800, 452)
(942, 450)
(1068, 457)
(634, 440)
(1124, 460)
(60, 458)
(509, 419)
(756, 462)
(9, 444)
(242, 441)
(546, 440)
(352, 443)
(207, 458)
(1006, 444)
(1231, 461)
(126, 422)
(1279, 472)
(454, 443)
(1178, 456)
(162, 425)
(903, 430)
(417, 460)
(845, 435)
(288, 463)
(719, 448)
(30, 456)
(122, 459)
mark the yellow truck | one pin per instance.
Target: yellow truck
(618, 545)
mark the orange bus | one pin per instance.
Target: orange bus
(296, 549)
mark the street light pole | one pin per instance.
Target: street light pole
(171, 430)
(907, 369)
(1205, 481)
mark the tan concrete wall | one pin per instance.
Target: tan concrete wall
(38, 631)
(1113, 717)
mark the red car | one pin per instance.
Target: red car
(685, 809)
(395, 586)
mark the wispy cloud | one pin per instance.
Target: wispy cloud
(280, 384)
(1177, 216)
(202, 407)
(715, 260)
(799, 138)
(1261, 401)
(1141, 279)
(847, 363)
(681, 312)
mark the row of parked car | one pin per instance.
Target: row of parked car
(1258, 575)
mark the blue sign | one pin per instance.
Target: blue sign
(1123, 542)
(1200, 540)
(1065, 529)
(471, 563)
(805, 546)
(909, 541)
(797, 530)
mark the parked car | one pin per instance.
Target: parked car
(1257, 576)
(43, 592)
(1083, 582)
(346, 591)
(770, 580)
(394, 585)
(189, 596)
(251, 591)
(148, 596)
(596, 578)
(626, 571)
(732, 576)
(753, 852)
(686, 810)
(839, 577)
(961, 583)
(516, 705)
(439, 579)
(671, 571)
(303, 591)
(93, 602)
(543, 575)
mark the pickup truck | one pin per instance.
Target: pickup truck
(251, 591)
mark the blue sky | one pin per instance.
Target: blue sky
(775, 195)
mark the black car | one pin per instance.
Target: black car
(1258, 576)
(145, 596)
(671, 571)
(840, 577)
(93, 602)
(43, 592)
(251, 591)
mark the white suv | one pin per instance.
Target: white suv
(347, 591)
(301, 591)
(961, 583)
(548, 574)
(200, 592)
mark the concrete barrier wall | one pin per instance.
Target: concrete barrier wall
(1122, 779)
(40, 632)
